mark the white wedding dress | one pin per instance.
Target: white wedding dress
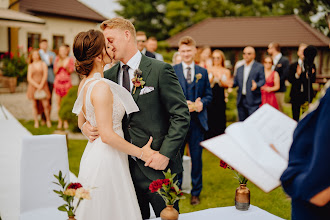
(105, 168)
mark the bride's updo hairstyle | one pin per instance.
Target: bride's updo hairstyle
(87, 46)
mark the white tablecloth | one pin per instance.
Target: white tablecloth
(229, 213)
(11, 133)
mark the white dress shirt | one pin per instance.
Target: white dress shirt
(133, 64)
(246, 73)
(275, 60)
(192, 69)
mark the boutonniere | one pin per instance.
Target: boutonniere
(138, 80)
(198, 77)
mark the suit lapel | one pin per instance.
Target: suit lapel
(145, 67)
(182, 79)
(194, 81)
(112, 74)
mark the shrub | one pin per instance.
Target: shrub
(66, 109)
(13, 66)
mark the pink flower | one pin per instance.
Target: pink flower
(70, 192)
(82, 193)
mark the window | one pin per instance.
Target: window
(57, 42)
(33, 40)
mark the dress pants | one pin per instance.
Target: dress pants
(296, 111)
(194, 137)
(244, 109)
(144, 195)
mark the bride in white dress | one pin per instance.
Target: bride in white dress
(104, 164)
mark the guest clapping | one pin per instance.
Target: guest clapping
(38, 87)
(272, 84)
(63, 67)
(220, 78)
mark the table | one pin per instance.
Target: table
(229, 213)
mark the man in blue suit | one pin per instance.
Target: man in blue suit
(196, 88)
(249, 78)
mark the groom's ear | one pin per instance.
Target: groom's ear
(127, 35)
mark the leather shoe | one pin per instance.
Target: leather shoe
(194, 200)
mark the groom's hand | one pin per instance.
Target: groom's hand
(157, 161)
(90, 132)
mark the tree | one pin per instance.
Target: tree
(163, 18)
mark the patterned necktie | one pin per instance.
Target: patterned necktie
(126, 83)
(188, 75)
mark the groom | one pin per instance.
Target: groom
(163, 114)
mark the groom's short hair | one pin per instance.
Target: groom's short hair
(187, 40)
(119, 23)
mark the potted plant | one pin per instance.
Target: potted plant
(13, 67)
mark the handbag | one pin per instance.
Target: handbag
(40, 94)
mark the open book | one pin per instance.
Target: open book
(245, 146)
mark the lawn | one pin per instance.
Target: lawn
(219, 184)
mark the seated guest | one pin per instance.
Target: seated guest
(272, 84)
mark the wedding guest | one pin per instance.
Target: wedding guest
(301, 87)
(196, 88)
(220, 78)
(37, 86)
(249, 79)
(48, 57)
(272, 84)
(307, 178)
(176, 59)
(63, 67)
(197, 58)
(152, 45)
(141, 39)
(206, 58)
(281, 66)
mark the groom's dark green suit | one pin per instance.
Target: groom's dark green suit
(164, 115)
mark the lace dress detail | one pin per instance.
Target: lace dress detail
(117, 114)
(104, 168)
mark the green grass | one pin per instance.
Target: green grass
(219, 184)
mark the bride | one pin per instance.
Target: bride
(104, 164)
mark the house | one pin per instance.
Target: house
(63, 19)
(232, 34)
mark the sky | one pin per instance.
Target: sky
(104, 7)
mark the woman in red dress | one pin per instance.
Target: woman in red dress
(63, 67)
(272, 84)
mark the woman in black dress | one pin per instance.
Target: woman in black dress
(220, 78)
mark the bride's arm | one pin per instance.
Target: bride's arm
(102, 100)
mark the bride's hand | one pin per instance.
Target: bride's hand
(147, 151)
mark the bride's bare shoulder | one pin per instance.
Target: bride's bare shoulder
(101, 91)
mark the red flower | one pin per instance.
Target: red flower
(223, 164)
(166, 181)
(155, 185)
(74, 186)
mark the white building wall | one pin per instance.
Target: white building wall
(56, 26)
(3, 39)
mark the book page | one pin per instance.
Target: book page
(275, 128)
(225, 148)
(246, 146)
(250, 140)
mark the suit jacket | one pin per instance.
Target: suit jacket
(308, 171)
(301, 91)
(258, 75)
(282, 68)
(163, 114)
(201, 88)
